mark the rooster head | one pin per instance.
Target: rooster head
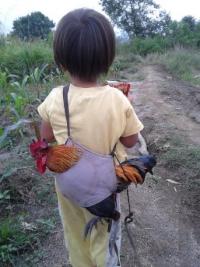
(39, 151)
(124, 87)
(149, 162)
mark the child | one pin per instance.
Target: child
(100, 117)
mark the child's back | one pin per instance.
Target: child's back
(100, 116)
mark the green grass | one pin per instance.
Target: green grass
(18, 237)
(24, 196)
(180, 159)
(181, 63)
(182, 162)
(177, 157)
(21, 58)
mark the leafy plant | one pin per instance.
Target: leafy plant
(20, 87)
(38, 76)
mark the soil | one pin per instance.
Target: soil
(166, 216)
(166, 208)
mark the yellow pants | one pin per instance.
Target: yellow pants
(89, 252)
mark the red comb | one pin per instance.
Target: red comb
(37, 146)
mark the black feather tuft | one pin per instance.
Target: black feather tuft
(90, 225)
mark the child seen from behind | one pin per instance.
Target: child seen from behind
(100, 117)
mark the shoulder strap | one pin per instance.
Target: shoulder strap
(113, 150)
(66, 106)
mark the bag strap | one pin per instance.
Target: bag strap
(66, 106)
(113, 150)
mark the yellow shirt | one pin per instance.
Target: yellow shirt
(99, 116)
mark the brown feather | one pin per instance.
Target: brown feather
(60, 157)
(128, 174)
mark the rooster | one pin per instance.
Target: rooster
(106, 209)
(57, 158)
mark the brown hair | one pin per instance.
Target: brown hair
(84, 44)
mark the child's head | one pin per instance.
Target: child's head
(84, 44)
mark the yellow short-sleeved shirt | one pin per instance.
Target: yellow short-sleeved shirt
(99, 116)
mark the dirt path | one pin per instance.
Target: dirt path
(166, 231)
(166, 216)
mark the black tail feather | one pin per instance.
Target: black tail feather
(90, 225)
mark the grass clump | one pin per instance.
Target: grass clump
(181, 63)
(188, 158)
(18, 237)
(21, 58)
(183, 164)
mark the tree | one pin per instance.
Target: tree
(1, 28)
(190, 21)
(137, 17)
(35, 25)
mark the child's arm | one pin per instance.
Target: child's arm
(45, 111)
(133, 126)
(129, 141)
(46, 132)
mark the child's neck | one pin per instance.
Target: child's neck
(79, 83)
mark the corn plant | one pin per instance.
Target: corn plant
(20, 97)
(38, 76)
(20, 87)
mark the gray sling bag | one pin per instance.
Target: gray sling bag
(92, 179)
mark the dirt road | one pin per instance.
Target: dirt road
(166, 222)
(166, 226)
